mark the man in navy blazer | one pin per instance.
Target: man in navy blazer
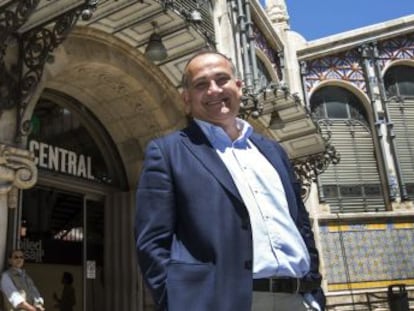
(220, 224)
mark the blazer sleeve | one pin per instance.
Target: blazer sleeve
(154, 221)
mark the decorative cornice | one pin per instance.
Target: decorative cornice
(354, 38)
(347, 65)
(344, 66)
(17, 169)
(399, 48)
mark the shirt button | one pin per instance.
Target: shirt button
(248, 264)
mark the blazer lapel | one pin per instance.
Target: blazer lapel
(200, 147)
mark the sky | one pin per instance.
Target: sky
(315, 19)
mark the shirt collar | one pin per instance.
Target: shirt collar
(219, 138)
(16, 270)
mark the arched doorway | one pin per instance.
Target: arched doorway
(64, 217)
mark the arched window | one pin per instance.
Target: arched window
(262, 74)
(399, 82)
(353, 185)
(337, 103)
(67, 139)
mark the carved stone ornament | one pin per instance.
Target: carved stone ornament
(17, 169)
(308, 169)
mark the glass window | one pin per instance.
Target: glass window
(351, 190)
(337, 103)
(336, 110)
(352, 185)
(262, 74)
(62, 143)
(399, 81)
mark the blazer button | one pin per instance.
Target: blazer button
(248, 265)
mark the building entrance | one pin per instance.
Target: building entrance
(62, 235)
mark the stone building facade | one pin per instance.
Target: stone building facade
(80, 98)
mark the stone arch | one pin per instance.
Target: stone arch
(127, 93)
(400, 62)
(268, 65)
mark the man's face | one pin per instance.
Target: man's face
(17, 259)
(213, 93)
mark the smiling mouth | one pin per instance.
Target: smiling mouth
(222, 104)
(221, 101)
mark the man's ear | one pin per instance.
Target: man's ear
(185, 97)
(239, 84)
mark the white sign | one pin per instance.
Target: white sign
(33, 250)
(61, 160)
(90, 269)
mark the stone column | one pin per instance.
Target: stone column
(17, 172)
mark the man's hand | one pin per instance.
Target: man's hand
(39, 307)
(28, 307)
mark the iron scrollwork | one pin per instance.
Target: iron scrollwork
(18, 79)
(38, 44)
(309, 168)
(266, 100)
(12, 17)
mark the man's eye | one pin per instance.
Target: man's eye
(222, 80)
(201, 85)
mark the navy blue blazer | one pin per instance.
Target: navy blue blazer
(193, 234)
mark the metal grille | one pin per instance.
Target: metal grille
(354, 184)
(204, 6)
(402, 116)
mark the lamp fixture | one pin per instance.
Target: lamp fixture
(155, 49)
(87, 12)
(195, 16)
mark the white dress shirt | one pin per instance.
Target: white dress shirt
(278, 247)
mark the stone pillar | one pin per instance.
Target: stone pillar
(17, 172)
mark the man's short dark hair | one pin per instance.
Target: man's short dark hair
(185, 78)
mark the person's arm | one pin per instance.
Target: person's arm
(10, 291)
(38, 299)
(13, 295)
(155, 218)
(28, 307)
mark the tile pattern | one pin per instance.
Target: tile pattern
(367, 252)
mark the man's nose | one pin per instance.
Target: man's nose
(214, 87)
